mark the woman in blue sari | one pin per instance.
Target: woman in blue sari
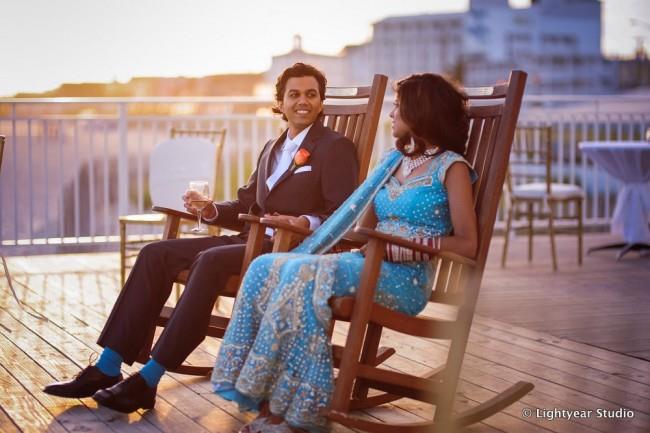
(276, 354)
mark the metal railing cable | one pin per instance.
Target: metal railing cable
(22, 304)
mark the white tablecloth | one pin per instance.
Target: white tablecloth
(628, 161)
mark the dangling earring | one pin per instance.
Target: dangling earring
(410, 148)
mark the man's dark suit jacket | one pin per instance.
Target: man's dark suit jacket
(319, 191)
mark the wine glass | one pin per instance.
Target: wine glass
(199, 203)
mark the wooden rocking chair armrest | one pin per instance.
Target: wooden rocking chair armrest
(281, 225)
(351, 240)
(432, 252)
(285, 230)
(182, 215)
(286, 236)
(175, 213)
(248, 218)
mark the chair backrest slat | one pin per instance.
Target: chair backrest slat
(330, 109)
(357, 121)
(357, 92)
(351, 126)
(342, 123)
(2, 148)
(330, 121)
(357, 131)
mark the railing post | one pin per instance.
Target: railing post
(123, 160)
(14, 165)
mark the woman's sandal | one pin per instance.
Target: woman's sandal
(255, 426)
(282, 427)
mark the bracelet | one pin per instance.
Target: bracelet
(395, 253)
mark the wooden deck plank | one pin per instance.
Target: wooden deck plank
(23, 409)
(496, 378)
(602, 293)
(57, 364)
(476, 387)
(23, 399)
(39, 342)
(551, 349)
(565, 361)
(97, 297)
(479, 380)
(617, 359)
(172, 396)
(207, 411)
(6, 424)
(537, 358)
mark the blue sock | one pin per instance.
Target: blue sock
(109, 362)
(152, 372)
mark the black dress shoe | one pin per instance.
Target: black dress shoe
(86, 383)
(127, 396)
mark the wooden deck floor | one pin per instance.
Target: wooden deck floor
(604, 302)
(75, 294)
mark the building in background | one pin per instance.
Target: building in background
(557, 41)
(331, 65)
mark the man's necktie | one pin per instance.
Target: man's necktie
(285, 161)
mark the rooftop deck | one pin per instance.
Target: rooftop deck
(580, 335)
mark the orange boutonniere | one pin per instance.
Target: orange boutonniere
(301, 158)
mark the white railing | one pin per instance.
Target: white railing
(72, 165)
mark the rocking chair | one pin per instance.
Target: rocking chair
(358, 122)
(457, 284)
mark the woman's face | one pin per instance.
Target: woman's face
(398, 126)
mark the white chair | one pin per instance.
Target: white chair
(529, 183)
(172, 165)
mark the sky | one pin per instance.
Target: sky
(44, 43)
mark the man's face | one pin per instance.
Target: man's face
(301, 103)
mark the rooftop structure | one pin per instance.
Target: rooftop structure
(557, 41)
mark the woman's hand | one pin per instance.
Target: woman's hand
(361, 250)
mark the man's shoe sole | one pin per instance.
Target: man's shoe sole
(123, 409)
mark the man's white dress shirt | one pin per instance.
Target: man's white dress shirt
(282, 159)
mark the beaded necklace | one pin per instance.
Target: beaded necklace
(409, 164)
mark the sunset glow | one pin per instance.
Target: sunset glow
(49, 43)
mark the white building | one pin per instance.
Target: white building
(556, 41)
(332, 66)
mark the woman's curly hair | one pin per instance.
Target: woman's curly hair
(435, 111)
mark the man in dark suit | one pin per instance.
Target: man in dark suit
(301, 177)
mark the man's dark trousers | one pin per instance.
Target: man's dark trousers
(149, 285)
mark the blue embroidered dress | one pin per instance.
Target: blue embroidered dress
(276, 347)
